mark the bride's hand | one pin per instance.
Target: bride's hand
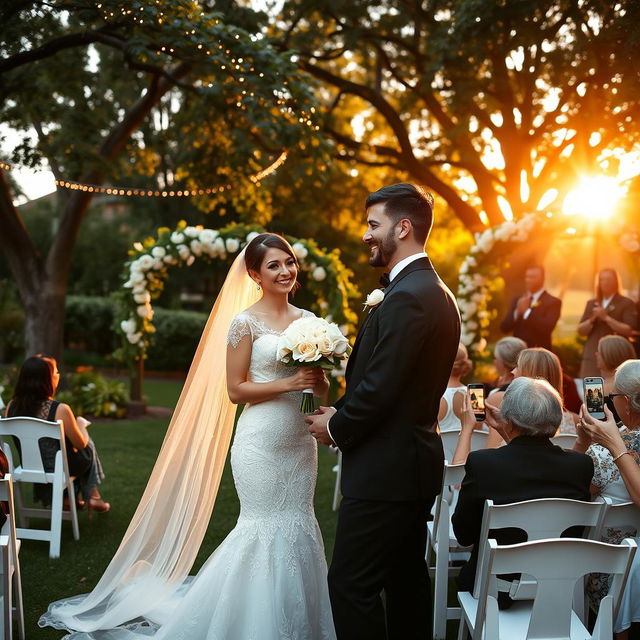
(304, 378)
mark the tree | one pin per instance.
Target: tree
(489, 104)
(109, 88)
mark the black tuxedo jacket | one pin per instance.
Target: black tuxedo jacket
(527, 468)
(537, 328)
(385, 425)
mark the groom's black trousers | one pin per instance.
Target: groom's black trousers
(380, 546)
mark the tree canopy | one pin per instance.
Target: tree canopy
(489, 104)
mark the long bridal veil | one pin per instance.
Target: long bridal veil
(166, 531)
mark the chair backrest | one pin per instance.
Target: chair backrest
(556, 565)
(28, 431)
(450, 441)
(564, 440)
(622, 516)
(452, 476)
(540, 519)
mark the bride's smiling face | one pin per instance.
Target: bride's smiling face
(278, 272)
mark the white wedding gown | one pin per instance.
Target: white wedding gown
(268, 578)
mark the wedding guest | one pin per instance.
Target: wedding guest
(451, 402)
(533, 315)
(608, 313)
(505, 358)
(542, 363)
(608, 482)
(34, 396)
(527, 468)
(612, 352)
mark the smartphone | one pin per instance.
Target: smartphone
(476, 397)
(594, 397)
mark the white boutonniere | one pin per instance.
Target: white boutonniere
(374, 299)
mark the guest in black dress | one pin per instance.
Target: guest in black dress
(34, 396)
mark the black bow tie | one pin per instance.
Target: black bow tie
(385, 280)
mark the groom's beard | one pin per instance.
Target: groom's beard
(384, 250)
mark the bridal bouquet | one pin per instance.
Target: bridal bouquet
(312, 342)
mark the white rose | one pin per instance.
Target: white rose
(374, 298)
(252, 235)
(128, 284)
(465, 267)
(232, 245)
(133, 338)
(136, 278)
(158, 252)
(177, 237)
(191, 232)
(183, 251)
(128, 326)
(306, 352)
(190, 260)
(319, 274)
(145, 311)
(300, 250)
(219, 247)
(207, 236)
(139, 288)
(158, 264)
(471, 325)
(145, 262)
(196, 247)
(142, 298)
(169, 259)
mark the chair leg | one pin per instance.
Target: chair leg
(56, 516)
(462, 629)
(17, 586)
(17, 495)
(8, 605)
(72, 508)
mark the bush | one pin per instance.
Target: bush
(87, 324)
(570, 350)
(89, 394)
(175, 340)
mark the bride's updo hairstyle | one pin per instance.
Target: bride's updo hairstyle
(256, 250)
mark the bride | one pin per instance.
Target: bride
(267, 580)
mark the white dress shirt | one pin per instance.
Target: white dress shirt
(534, 298)
(392, 274)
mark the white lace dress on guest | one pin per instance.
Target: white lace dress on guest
(450, 420)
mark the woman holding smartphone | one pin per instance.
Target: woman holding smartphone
(608, 481)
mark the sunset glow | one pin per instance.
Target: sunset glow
(595, 197)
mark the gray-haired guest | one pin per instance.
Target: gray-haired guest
(528, 468)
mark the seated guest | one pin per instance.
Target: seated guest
(542, 363)
(608, 313)
(451, 402)
(533, 315)
(505, 358)
(527, 468)
(609, 483)
(612, 352)
(570, 395)
(34, 396)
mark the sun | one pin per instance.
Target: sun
(595, 197)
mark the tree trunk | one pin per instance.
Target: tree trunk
(44, 319)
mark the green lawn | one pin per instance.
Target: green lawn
(128, 451)
(162, 393)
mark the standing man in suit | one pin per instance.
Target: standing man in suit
(532, 317)
(385, 426)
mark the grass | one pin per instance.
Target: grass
(162, 393)
(128, 451)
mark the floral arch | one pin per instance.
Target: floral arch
(479, 273)
(148, 269)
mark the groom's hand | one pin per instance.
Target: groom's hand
(318, 425)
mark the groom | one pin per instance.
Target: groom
(385, 426)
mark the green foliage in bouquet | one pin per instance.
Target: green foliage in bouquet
(90, 394)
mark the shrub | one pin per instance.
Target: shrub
(90, 394)
(87, 324)
(175, 339)
(569, 350)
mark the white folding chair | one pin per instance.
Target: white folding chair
(29, 431)
(336, 490)
(442, 543)
(621, 516)
(450, 441)
(565, 440)
(9, 552)
(557, 566)
(541, 519)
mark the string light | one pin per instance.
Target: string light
(5, 166)
(167, 193)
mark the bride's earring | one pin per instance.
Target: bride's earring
(258, 286)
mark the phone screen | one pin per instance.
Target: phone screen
(476, 397)
(594, 396)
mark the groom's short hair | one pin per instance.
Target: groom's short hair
(404, 200)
